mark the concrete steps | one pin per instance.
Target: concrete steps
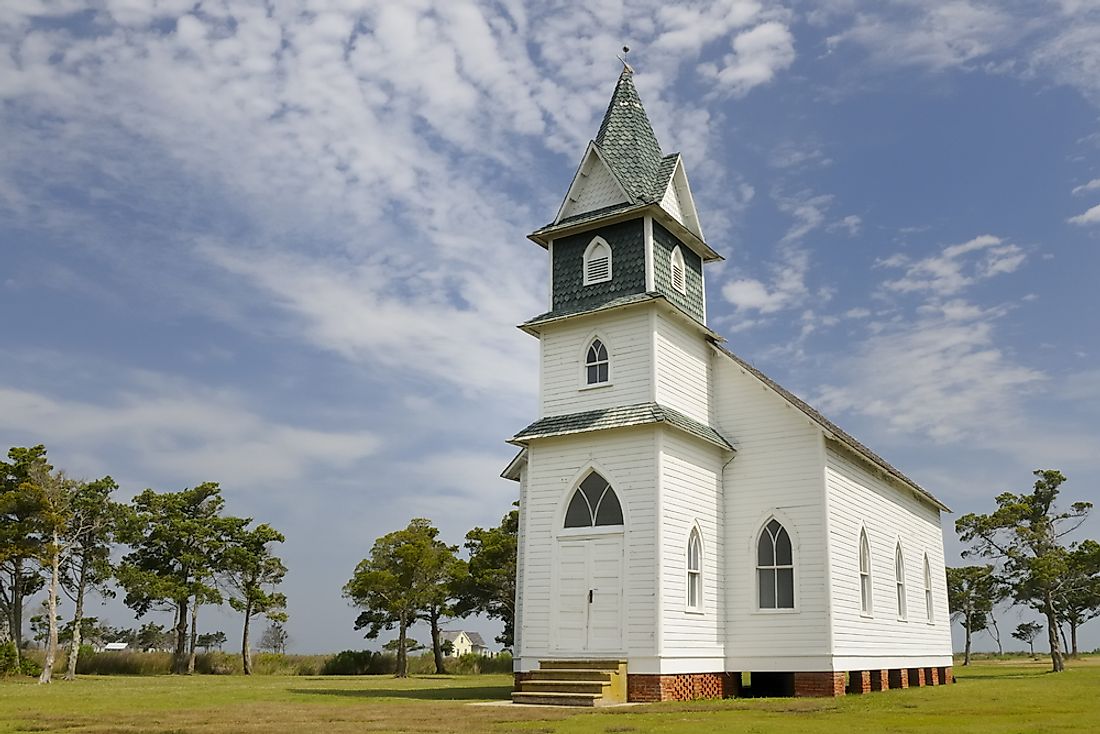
(585, 683)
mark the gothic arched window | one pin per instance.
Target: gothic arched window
(597, 261)
(593, 504)
(695, 571)
(676, 267)
(864, 573)
(899, 574)
(775, 567)
(928, 591)
(596, 363)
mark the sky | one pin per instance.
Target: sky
(282, 246)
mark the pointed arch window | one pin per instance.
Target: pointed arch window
(593, 504)
(596, 363)
(676, 267)
(695, 571)
(865, 597)
(928, 608)
(775, 567)
(899, 574)
(597, 262)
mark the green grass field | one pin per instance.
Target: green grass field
(993, 697)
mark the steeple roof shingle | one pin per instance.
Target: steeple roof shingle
(628, 144)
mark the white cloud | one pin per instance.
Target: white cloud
(758, 55)
(1092, 216)
(851, 224)
(1092, 185)
(951, 271)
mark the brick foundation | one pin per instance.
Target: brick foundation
(880, 680)
(828, 684)
(898, 677)
(649, 688)
(859, 682)
(916, 678)
(946, 675)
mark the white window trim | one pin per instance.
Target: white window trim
(929, 597)
(697, 607)
(899, 584)
(596, 241)
(677, 257)
(864, 541)
(583, 379)
(784, 522)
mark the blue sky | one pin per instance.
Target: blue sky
(283, 248)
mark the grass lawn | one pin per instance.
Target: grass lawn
(990, 697)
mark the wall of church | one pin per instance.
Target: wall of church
(778, 470)
(682, 368)
(627, 458)
(860, 499)
(627, 336)
(690, 496)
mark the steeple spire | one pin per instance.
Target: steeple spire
(627, 141)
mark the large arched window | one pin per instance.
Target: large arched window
(676, 267)
(899, 573)
(928, 591)
(594, 503)
(865, 573)
(597, 261)
(596, 363)
(775, 567)
(695, 571)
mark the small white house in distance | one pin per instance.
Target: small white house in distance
(464, 642)
(115, 646)
(684, 519)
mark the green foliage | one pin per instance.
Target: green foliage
(211, 639)
(1027, 632)
(21, 540)
(360, 662)
(274, 639)
(972, 592)
(489, 584)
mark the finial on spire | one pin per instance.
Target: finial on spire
(627, 68)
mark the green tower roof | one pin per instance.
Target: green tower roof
(628, 144)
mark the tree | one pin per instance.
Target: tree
(89, 564)
(20, 542)
(251, 570)
(489, 586)
(440, 572)
(411, 645)
(154, 637)
(1079, 599)
(393, 584)
(1025, 535)
(971, 593)
(177, 541)
(1027, 632)
(274, 638)
(91, 632)
(212, 639)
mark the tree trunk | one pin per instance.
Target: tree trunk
(1073, 639)
(402, 651)
(78, 618)
(437, 647)
(966, 650)
(179, 656)
(17, 611)
(51, 611)
(996, 634)
(1056, 661)
(246, 653)
(194, 637)
(1062, 632)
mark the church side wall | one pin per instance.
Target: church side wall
(627, 459)
(627, 337)
(691, 641)
(859, 499)
(683, 368)
(778, 470)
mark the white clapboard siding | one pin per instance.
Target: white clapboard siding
(691, 496)
(779, 468)
(670, 202)
(683, 368)
(595, 189)
(517, 625)
(627, 458)
(861, 498)
(627, 336)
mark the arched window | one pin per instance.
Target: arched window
(596, 363)
(676, 267)
(775, 567)
(594, 503)
(928, 591)
(864, 573)
(899, 573)
(597, 261)
(695, 571)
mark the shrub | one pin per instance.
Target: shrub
(27, 666)
(471, 664)
(361, 662)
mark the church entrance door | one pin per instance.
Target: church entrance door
(588, 597)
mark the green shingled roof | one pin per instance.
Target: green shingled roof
(620, 416)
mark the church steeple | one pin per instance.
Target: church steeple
(628, 144)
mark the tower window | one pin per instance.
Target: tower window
(676, 266)
(597, 262)
(695, 571)
(899, 573)
(593, 504)
(775, 567)
(864, 573)
(596, 363)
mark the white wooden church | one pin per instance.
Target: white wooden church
(683, 518)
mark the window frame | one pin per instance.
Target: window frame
(775, 567)
(694, 601)
(866, 580)
(597, 241)
(585, 364)
(592, 528)
(929, 599)
(899, 581)
(676, 258)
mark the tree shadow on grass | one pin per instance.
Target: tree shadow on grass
(990, 676)
(471, 693)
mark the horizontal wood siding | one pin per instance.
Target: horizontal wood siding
(626, 335)
(683, 368)
(859, 498)
(691, 494)
(627, 458)
(778, 469)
